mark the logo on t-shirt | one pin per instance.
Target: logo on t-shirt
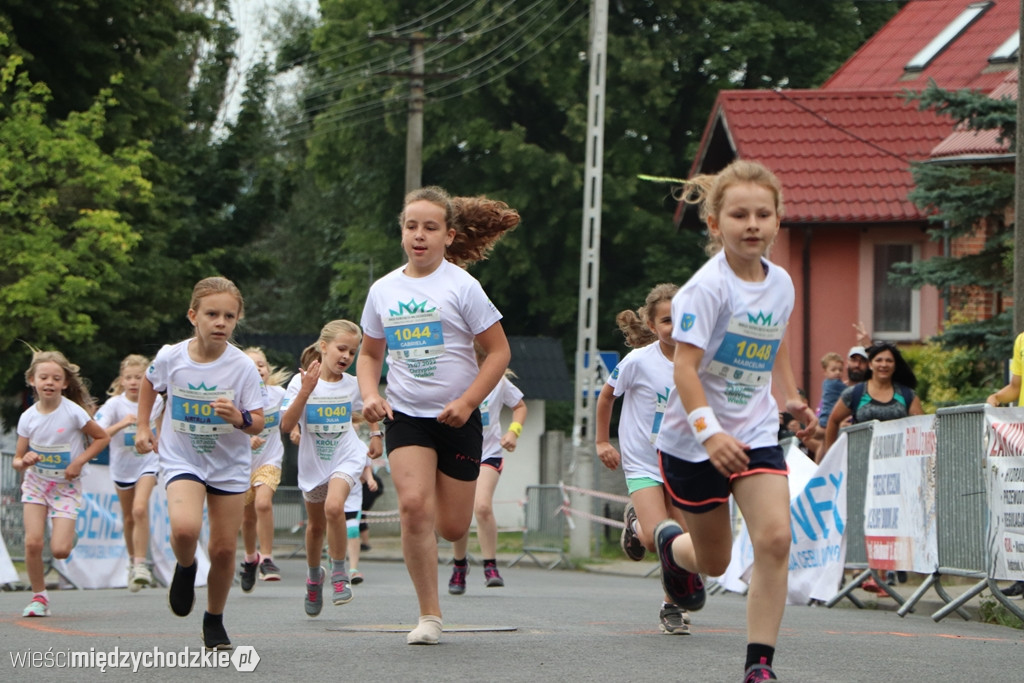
(411, 307)
(687, 322)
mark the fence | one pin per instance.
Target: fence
(963, 510)
(545, 524)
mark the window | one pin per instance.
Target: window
(1006, 52)
(896, 308)
(947, 36)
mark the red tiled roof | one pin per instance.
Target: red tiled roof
(841, 156)
(980, 144)
(880, 62)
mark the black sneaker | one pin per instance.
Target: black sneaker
(214, 635)
(1014, 590)
(759, 672)
(492, 577)
(674, 620)
(247, 574)
(685, 588)
(457, 584)
(269, 570)
(182, 594)
(629, 541)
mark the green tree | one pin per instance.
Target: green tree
(506, 116)
(961, 198)
(64, 204)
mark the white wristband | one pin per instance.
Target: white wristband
(704, 423)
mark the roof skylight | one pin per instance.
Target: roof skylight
(947, 36)
(1007, 52)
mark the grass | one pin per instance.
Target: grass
(993, 612)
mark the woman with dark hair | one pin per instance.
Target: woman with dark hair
(886, 394)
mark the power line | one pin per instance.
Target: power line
(377, 108)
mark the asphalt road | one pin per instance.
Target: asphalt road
(543, 626)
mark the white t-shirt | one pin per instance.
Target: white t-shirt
(57, 437)
(272, 450)
(739, 325)
(644, 378)
(429, 324)
(126, 465)
(503, 394)
(329, 442)
(193, 440)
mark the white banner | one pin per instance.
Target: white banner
(817, 519)
(8, 574)
(1004, 483)
(100, 558)
(900, 529)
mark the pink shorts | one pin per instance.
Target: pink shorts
(61, 497)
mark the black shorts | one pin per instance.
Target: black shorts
(458, 448)
(211, 490)
(699, 487)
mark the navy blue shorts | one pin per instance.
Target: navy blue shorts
(699, 487)
(494, 463)
(458, 448)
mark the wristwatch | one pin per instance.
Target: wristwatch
(246, 420)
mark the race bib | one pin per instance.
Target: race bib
(192, 411)
(54, 457)
(415, 335)
(329, 414)
(747, 354)
(271, 421)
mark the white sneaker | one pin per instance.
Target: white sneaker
(132, 574)
(143, 577)
(428, 632)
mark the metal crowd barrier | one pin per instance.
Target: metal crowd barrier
(962, 512)
(545, 525)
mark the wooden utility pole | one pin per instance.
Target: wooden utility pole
(417, 76)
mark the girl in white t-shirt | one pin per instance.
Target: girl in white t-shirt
(134, 475)
(720, 431)
(492, 462)
(424, 316)
(644, 379)
(322, 401)
(51, 452)
(267, 455)
(215, 400)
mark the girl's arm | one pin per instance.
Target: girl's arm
(495, 345)
(290, 419)
(511, 437)
(100, 440)
(23, 457)
(610, 457)
(145, 440)
(726, 453)
(368, 369)
(125, 421)
(782, 374)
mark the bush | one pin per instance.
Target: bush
(948, 377)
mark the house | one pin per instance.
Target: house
(843, 153)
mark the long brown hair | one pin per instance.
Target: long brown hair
(634, 324)
(76, 389)
(478, 222)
